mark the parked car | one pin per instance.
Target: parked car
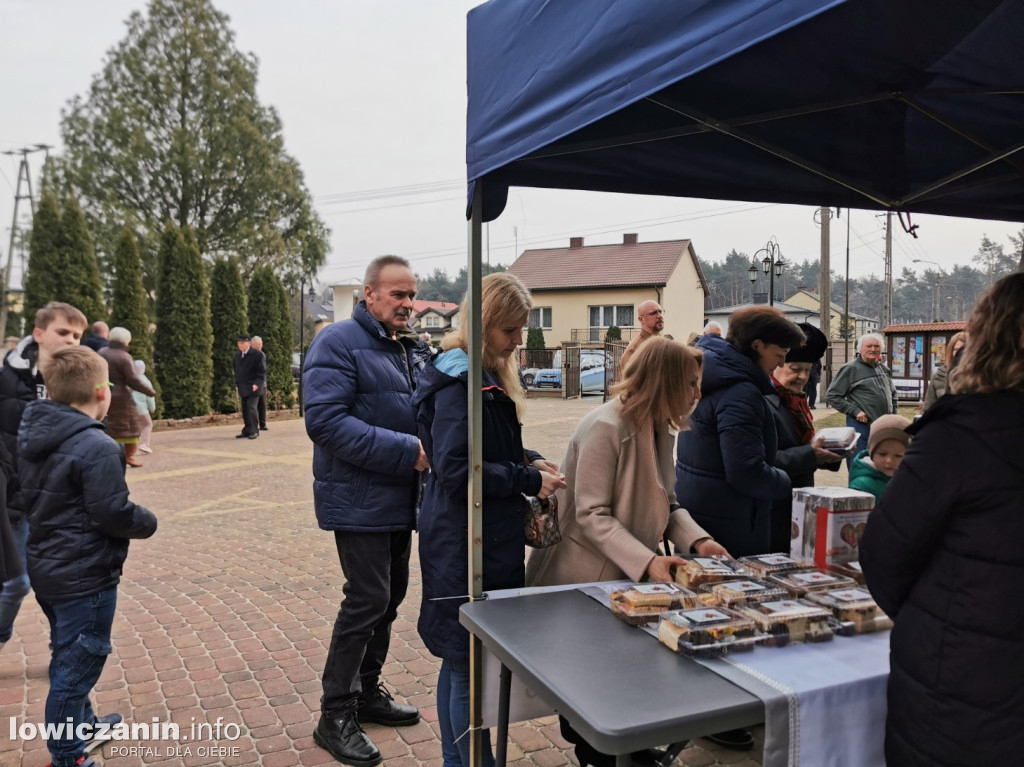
(592, 366)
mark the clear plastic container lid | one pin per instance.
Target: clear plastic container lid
(742, 591)
(855, 607)
(699, 570)
(644, 602)
(707, 632)
(789, 620)
(849, 569)
(802, 582)
(837, 498)
(765, 564)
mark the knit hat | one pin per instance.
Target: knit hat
(888, 427)
(813, 348)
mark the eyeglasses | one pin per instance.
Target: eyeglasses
(105, 383)
(655, 313)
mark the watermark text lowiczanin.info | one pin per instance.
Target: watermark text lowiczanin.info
(156, 730)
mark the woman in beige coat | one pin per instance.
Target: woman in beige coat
(620, 498)
(620, 478)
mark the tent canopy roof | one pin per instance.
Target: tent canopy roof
(915, 106)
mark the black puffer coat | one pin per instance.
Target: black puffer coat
(76, 501)
(20, 383)
(725, 475)
(943, 553)
(441, 401)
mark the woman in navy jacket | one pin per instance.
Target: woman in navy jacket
(725, 475)
(942, 555)
(509, 472)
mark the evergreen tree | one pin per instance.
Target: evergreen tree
(129, 305)
(268, 311)
(227, 315)
(614, 333)
(184, 338)
(78, 274)
(534, 338)
(42, 271)
(128, 309)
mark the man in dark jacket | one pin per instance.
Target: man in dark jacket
(250, 374)
(80, 520)
(56, 325)
(261, 400)
(863, 389)
(99, 338)
(358, 384)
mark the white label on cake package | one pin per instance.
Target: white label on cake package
(656, 588)
(697, 617)
(712, 565)
(812, 577)
(787, 607)
(776, 559)
(851, 595)
(746, 586)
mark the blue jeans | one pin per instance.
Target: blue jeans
(80, 644)
(453, 715)
(16, 589)
(863, 429)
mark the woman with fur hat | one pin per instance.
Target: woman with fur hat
(123, 423)
(799, 452)
(872, 469)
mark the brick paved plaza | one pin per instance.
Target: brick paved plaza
(226, 613)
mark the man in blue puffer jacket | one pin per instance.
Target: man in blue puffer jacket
(358, 383)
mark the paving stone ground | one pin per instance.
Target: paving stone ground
(225, 615)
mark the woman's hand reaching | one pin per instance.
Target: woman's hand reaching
(660, 568)
(712, 548)
(550, 482)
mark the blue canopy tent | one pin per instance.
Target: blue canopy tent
(914, 106)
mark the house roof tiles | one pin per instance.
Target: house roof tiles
(626, 264)
(921, 327)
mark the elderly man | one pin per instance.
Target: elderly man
(261, 401)
(652, 322)
(712, 329)
(863, 389)
(358, 383)
(250, 370)
(99, 336)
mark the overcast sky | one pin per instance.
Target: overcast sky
(372, 96)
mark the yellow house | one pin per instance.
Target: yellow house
(857, 323)
(580, 291)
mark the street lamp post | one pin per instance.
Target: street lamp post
(772, 265)
(938, 285)
(302, 330)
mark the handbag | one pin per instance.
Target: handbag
(540, 521)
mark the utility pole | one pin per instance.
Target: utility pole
(23, 172)
(887, 298)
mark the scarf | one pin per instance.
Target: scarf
(796, 404)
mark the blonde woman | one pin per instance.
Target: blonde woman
(942, 555)
(509, 472)
(620, 496)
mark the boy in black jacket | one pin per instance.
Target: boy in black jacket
(80, 520)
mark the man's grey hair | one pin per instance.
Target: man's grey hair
(866, 336)
(377, 265)
(712, 327)
(256, 340)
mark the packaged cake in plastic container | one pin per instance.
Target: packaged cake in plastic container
(801, 582)
(855, 608)
(786, 621)
(763, 565)
(743, 591)
(841, 440)
(708, 632)
(849, 569)
(700, 570)
(644, 602)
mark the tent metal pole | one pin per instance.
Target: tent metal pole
(474, 494)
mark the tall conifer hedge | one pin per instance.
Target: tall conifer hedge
(78, 274)
(41, 272)
(227, 315)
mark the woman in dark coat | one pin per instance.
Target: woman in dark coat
(123, 423)
(725, 472)
(798, 454)
(942, 555)
(509, 472)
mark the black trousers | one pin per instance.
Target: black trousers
(249, 418)
(376, 569)
(261, 407)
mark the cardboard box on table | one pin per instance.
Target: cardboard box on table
(828, 523)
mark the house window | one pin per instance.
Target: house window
(606, 316)
(540, 317)
(431, 321)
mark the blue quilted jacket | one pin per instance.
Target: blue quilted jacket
(357, 389)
